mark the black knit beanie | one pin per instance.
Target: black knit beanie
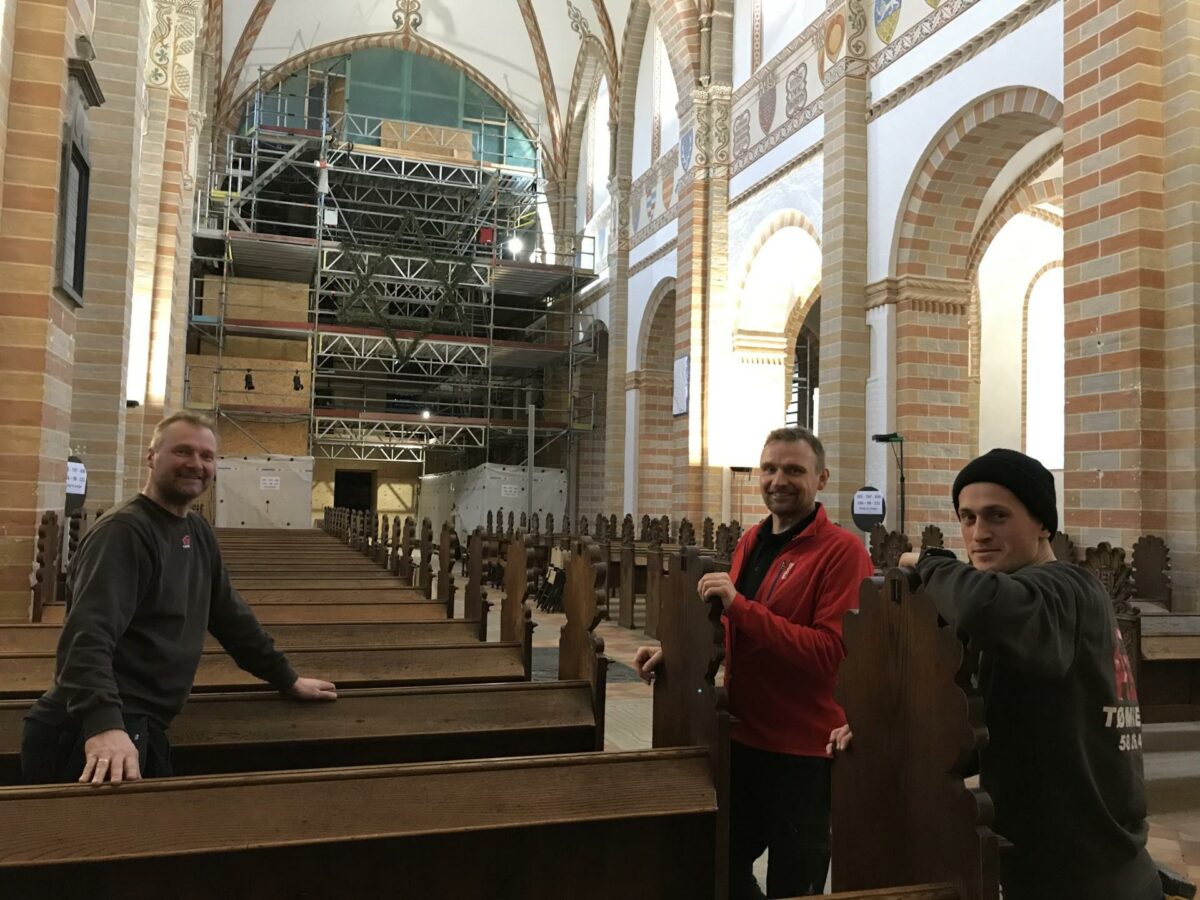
(1023, 475)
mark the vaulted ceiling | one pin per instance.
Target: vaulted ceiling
(525, 49)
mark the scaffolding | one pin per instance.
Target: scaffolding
(439, 319)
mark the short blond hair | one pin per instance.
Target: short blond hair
(184, 415)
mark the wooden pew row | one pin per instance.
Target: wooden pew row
(455, 829)
(27, 675)
(273, 612)
(43, 637)
(255, 731)
(246, 732)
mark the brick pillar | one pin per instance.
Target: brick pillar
(38, 326)
(102, 332)
(8, 27)
(845, 339)
(615, 418)
(701, 283)
(933, 393)
(1181, 137)
(1113, 259)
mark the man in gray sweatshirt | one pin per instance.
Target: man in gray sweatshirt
(147, 584)
(1063, 763)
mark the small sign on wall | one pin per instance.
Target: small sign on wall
(76, 478)
(268, 483)
(510, 490)
(679, 398)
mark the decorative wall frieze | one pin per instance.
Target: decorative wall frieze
(618, 193)
(654, 195)
(651, 258)
(955, 58)
(173, 46)
(407, 15)
(795, 72)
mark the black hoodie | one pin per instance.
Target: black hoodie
(1063, 763)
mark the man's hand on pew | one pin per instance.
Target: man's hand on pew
(110, 756)
(313, 689)
(718, 583)
(909, 559)
(839, 740)
(646, 661)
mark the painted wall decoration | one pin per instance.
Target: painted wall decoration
(767, 100)
(887, 17)
(741, 133)
(835, 37)
(758, 126)
(173, 46)
(654, 195)
(915, 23)
(687, 144)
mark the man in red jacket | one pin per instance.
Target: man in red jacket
(794, 576)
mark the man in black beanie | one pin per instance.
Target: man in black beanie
(1063, 763)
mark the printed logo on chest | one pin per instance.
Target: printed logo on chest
(187, 542)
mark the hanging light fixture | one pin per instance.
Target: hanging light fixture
(297, 384)
(249, 380)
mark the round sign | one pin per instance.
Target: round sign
(869, 508)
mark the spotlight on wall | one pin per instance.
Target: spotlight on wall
(249, 380)
(515, 246)
(297, 384)
(424, 414)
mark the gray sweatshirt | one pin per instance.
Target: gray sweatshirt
(147, 586)
(1063, 763)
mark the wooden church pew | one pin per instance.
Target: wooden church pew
(615, 821)
(43, 638)
(283, 611)
(27, 675)
(902, 813)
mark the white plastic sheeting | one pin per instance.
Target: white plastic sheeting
(466, 497)
(264, 492)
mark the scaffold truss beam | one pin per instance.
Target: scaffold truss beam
(368, 432)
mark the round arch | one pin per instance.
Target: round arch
(936, 221)
(776, 223)
(665, 288)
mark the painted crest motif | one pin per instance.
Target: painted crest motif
(651, 200)
(797, 91)
(741, 133)
(635, 212)
(767, 99)
(835, 36)
(668, 185)
(687, 143)
(887, 17)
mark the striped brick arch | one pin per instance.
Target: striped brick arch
(937, 394)
(937, 223)
(785, 218)
(1030, 189)
(657, 438)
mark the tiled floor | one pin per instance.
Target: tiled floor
(1174, 834)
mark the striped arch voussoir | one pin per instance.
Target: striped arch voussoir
(785, 218)
(1023, 197)
(936, 227)
(663, 289)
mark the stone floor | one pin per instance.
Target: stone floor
(1172, 751)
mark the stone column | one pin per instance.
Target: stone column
(1181, 183)
(615, 418)
(845, 340)
(1114, 272)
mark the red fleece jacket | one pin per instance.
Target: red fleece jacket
(782, 651)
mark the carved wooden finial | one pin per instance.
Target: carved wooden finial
(687, 534)
(1108, 564)
(932, 537)
(1064, 548)
(887, 547)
